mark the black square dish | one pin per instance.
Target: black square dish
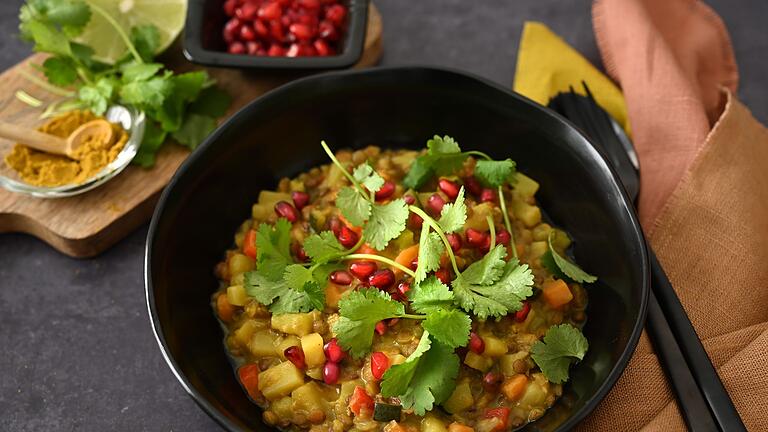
(204, 43)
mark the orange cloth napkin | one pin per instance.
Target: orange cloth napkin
(704, 201)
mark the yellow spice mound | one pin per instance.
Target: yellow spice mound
(45, 169)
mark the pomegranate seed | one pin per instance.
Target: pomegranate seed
(286, 210)
(336, 14)
(381, 328)
(403, 287)
(409, 199)
(231, 30)
(306, 50)
(382, 279)
(324, 50)
(334, 224)
(247, 11)
(476, 238)
(283, 3)
(522, 314)
(276, 50)
(455, 242)
(476, 344)
(247, 33)
(400, 295)
(236, 48)
(449, 188)
(296, 356)
(435, 203)
(379, 364)
(363, 269)
(341, 277)
(328, 31)
(331, 373)
(285, 20)
(415, 221)
(301, 254)
(293, 50)
(309, 4)
(333, 351)
(488, 195)
(392, 322)
(503, 237)
(260, 28)
(443, 275)
(276, 31)
(491, 382)
(229, 7)
(347, 237)
(473, 186)
(270, 11)
(252, 47)
(310, 20)
(301, 31)
(414, 264)
(387, 189)
(300, 199)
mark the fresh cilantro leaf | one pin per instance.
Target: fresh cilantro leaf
(443, 157)
(419, 172)
(562, 268)
(454, 214)
(263, 289)
(273, 245)
(154, 136)
(146, 39)
(488, 269)
(562, 346)
(431, 247)
(296, 276)
(430, 295)
(187, 86)
(71, 15)
(60, 71)
(97, 96)
(355, 208)
(450, 327)
(322, 247)
(387, 221)
(444, 145)
(133, 71)
(360, 311)
(194, 130)
(365, 175)
(396, 379)
(293, 301)
(212, 101)
(493, 173)
(46, 38)
(148, 93)
(434, 379)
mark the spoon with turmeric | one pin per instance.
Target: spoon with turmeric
(98, 130)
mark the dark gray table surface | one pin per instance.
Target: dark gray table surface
(77, 349)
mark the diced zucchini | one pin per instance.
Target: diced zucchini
(507, 363)
(284, 343)
(460, 399)
(537, 249)
(479, 362)
(239, 263)
(245, 332)
(385, 412)
(494, 347)
(280, 380)
(529, 214)
(525, 186)
(432, 424)
(308, 398)
(312, 345)
(262, 344)
(298, 324)
(236, 295)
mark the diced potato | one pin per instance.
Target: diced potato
(432, 424)
(535, 394)
(282, 407)
(298, 186)
(529, 214)
(262, 344)
(494, 347)
(537, 249)
(270, 198)
(308, 398)
(347, 388)
(236, 295)
(280, 380)
(260, 212)
(239, 263)
(479, 362)
(525, 186)
(315, 373)
(244, 334)
(508, 362)
(298, 324)
(284, 343)
(333, 178)
(541, 232)
(478, 217)
(460, 399)
(561, 241)
(312, 345)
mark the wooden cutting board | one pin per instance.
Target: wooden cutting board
(87, 224)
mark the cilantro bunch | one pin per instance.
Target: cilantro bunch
(181, 106)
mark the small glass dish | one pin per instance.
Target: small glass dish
(130, 119)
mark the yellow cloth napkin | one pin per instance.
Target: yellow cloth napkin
(547, 65)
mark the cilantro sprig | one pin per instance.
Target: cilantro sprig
(181, 106)
(562, 268)
(562, 346)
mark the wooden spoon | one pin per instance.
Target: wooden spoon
(52, 144)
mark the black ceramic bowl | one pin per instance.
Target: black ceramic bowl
(204, 44)
(279, 134)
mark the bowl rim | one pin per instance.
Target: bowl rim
(595, 154)
(192, 47)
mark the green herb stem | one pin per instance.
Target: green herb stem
(45, 85)
(344, 170)
(478, 153)
(119, 29)
(492, 229)
(382, 259)
(411, 316)
(503, 205)
(28, 99)
(435, 226)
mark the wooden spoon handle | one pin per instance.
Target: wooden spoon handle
(33, 138)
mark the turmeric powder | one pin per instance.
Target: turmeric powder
(45, 169)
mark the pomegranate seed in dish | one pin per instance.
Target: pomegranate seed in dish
(285, 210)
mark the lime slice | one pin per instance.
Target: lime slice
(167, 15)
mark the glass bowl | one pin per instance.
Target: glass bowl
(130, 119)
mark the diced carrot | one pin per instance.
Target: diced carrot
(333, 294)
(458, 427)
(556, 293)
(520, 249)
(224, 308)
(513, 387)
(501, 413)
(360, 403)
(405, 257)
(249, 244)
(249, 378)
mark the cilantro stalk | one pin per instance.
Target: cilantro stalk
(492, 229)
(431, 223)
(45, 85)
(344, 170)
(503, 206)
(382, 259)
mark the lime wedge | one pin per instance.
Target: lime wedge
(167, 15)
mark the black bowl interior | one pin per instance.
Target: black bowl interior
(278, 135)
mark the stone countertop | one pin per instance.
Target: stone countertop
(78, 350)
